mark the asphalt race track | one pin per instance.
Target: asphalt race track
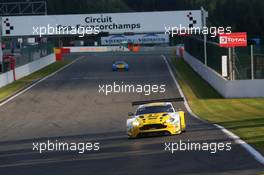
(68, 107)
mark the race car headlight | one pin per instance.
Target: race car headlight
(135, 123)
(170, 120)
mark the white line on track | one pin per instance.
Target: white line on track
(179, 88)
(241, 142)
(257, 155)
(37, 82)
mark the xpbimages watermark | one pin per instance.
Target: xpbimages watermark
(212, 147)
(182, 30)
(79, 147)
(79, 30)
(146, 89)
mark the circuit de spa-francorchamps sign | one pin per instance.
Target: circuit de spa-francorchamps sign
(114, 23)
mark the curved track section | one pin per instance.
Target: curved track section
(68, 107)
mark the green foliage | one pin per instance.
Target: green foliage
(85, 6)
(241, 15)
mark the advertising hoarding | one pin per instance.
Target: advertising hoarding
(238, 39)
(136, 39)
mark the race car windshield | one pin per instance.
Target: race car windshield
(154, 109)
(120, 63)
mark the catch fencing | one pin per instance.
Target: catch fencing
(248, 62)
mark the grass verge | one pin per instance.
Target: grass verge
(12, 88)
(244, 117)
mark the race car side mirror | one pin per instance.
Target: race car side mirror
(130, 114)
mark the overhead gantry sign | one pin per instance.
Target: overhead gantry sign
(113, 23)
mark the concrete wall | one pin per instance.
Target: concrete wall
(26, 69)
(97, 49)
(228, 89)
(6, 78)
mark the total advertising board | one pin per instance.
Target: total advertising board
(238, 39)
(114, 23)
(136, 39)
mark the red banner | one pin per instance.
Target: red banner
(233, 39)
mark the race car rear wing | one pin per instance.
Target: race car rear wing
(178, 99)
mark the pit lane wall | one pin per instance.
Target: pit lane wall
(227, 88)
(22, 71)
(97, 49)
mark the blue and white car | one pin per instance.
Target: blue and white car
(120, 65)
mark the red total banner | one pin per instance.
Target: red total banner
(238, 39)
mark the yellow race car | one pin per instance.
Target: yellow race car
(156, 118)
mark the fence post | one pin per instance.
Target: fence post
(230, 63)
(204, 17)
(1, 52)
(233, 63)
(252, 61)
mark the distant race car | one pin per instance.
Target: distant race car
(120, 65)
(156, 118)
